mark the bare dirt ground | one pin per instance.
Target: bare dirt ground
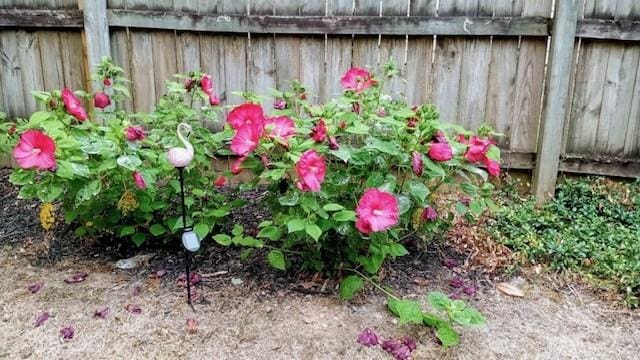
(244, 322)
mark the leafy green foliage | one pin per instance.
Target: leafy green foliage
(350, 286)
(592, 226)
(96, 162)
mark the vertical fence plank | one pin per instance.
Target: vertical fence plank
(448, 63)
(338, 50)
(528, 94)
(51, 59)
(121, 56)
(261, 56)
(365, 47)
(235, 54)
(11, 81)
(502, 76)
(419, 67)
(555, 103)
(30, 69)
(142, 73)
(474, 76)
(96, 35)
(395, 47)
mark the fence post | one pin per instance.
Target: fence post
(95, 36)
(554, 108)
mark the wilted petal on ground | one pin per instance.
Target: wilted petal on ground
(101, 313)
(41, 319)
(158, 274)
(67, 332)
(35, 287)
(136, 290)
(133, 308)
(368, 337)
(76, 278)
(192, 325)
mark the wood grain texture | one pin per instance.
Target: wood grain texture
(165, 61)
(142, 71)
(339, 51)
(366, 47)
(529, 80)
(96, 36)
(261, 61)
(121, 57)
(30, 70)
(394, 48)
(212, 59)
(13, 104)
(419, 65)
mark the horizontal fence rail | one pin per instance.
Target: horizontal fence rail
(320, 25)
(477, 61)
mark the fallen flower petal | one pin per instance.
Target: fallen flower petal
(67, 332)
(158, 274)
(41, 319)
(456, 283)
(133, 308)
(76, 278)
(469, 290)
(35, 287)
(409, 342)
(136, 290)
(192, 325)
(450, 263)
(368, 338)
(195, 279)
(101, 313)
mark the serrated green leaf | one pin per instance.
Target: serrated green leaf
(127, 230)
(139, 238)
(419, 191)
(438, 300)
(344, 215)
(295, 225)
(201, 230)
(130, 162)
(408, 311)
(447, 336)
(222, 239)
(271, 232)
(276, 259)
(314, 231)
(333, 207)
(350, 286)
(468, 317)
(396, 250)
(289, 200)
(157, 229)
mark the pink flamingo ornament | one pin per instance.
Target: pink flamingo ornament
(180, 157)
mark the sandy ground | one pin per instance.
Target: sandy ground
(241, 322)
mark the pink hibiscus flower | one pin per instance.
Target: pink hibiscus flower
(35, 150)
(377, 211)
(135, 133)
(138, 179)
(319, 132)
(417, 163)
(477, 149)
(357, 79)
(440, 152)
(311, 170)
(101, 100)
(236, 166)
(246, 114)
(206, 84)
(280, 128)
(493, 167)
(73, 105)
(246, 139)
(220, 181)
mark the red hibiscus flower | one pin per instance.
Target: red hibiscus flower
(477, 149)
(311, 170)
(280, 128)
(101, 100)
(214, 100)
(417, 163)
(135, 133)
(429, 213)
(246, 114)
(35, 150)
(73, 105)
(246, 139)
(138, 179)
(377, 211)
(319, 132)
(440, 152)
(357, 79)
(236, 166)
(206, 84)
(280, 104)
(333, 143)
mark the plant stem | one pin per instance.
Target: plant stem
(283, 250)
(386, 292)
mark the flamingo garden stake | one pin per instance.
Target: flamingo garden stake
(180, 158)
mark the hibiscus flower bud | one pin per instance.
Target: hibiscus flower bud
(319, 132)
(280, 104)
(429, 214)
(333, 143)
(342, 125)
(134, 133)
(188, 84)
(73, 105)
(101, 100)
(381, 112)
(368, 338)
(493, 167)
(469, 291)
(412, 122)
(220, 181)
(440, 152)
(214, 100)
(356, 108)
(303, 96)
(265, 160)
(53, 103)
(417, 163)
(439, 137)
(12, 129)
(138, 179)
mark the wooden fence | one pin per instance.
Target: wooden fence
(560, 81)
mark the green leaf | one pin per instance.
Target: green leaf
(80, 169)
(404, 204)
(88, 191)
(310, 202)
(130, 162)
(271, 232)
(248, 241)
(383, 146)
(433, 320)
(276, 259)
(468, 317)
(358, 128)
(222, 239)
(314, 231)
(220, 212)
(333, 207)
(477, 206)
(295, 225)
(201, 230)
(447, 336)
(289, 200)
(350, 286)
(265, 224)
(438, 300)
(139, 238)
(419, 191)
(237, 230)
(127, 230)
(433, 169)
(476, 171)
(37, 118)
(408, 311)
(22, 177)
(343, 153)
(397, 250)
(493, 153)
(344, 215)
(157, 229)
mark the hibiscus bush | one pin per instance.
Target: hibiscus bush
(106, 168)
(350, 180)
